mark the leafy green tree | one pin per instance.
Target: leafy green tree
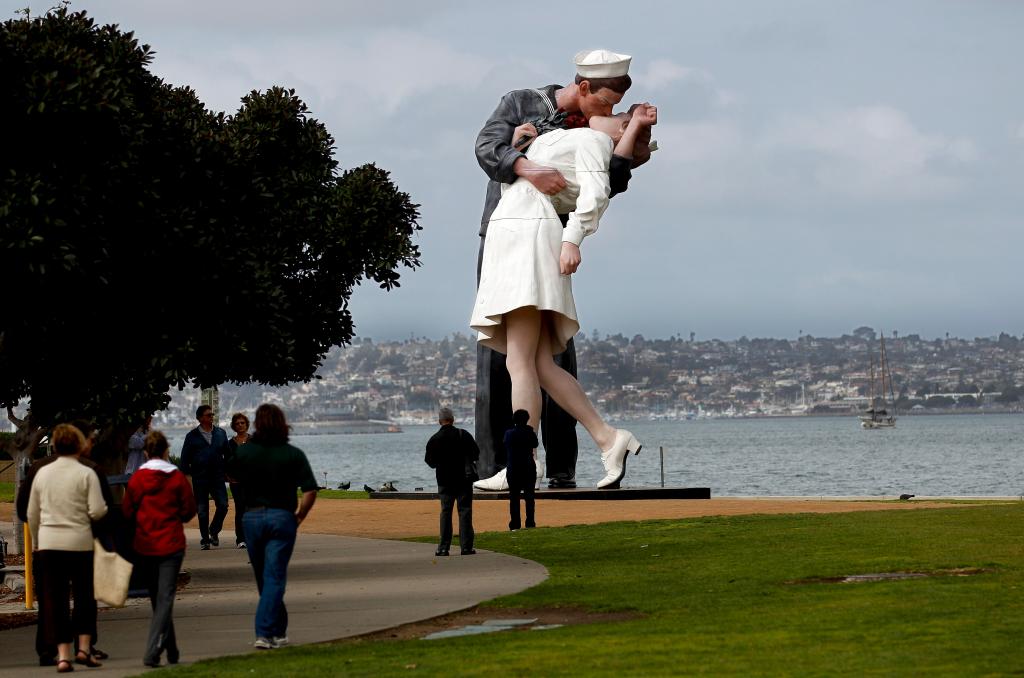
(149, 243)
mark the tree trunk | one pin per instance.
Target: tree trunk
(20, 465)
(25, 442)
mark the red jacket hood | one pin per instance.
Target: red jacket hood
(159, 499)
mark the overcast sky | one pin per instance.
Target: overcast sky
(823, 165)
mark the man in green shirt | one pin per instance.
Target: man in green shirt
(271, 471)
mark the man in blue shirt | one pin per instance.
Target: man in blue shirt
(202, 457)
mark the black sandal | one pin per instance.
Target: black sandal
(85, 659)
(65, 666)
(98, 653)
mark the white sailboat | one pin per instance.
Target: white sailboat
(881, 412)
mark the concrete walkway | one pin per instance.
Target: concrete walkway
(337, 587)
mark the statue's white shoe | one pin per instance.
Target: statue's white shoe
(614, 459)
(496, 483)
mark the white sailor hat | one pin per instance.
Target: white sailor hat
(600, 63)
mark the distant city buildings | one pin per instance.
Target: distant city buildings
(674, 378)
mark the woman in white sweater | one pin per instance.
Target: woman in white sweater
(64, 502)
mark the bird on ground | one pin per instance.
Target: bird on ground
(907, 497)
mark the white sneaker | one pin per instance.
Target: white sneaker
(540, 474)
(280, 641)
(264, 644)
(496, 483)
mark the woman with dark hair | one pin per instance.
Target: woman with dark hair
(270, 470)
(240, 425)
(159, 499)
(64, 501)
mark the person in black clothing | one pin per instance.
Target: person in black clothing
(202, 457)
(521, 452)
(453, 454)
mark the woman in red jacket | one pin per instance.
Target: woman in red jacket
(159, 499)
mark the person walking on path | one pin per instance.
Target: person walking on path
(64, 502)
(158, 498)
(453, 454)
(202, 457)
(136, 445)
(270, 470)
(240, 425)
(521, 451)
(101, 529)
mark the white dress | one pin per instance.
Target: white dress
(524, 236)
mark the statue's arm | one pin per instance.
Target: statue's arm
(494, 151)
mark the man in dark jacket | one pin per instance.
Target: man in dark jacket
(202, 457)
(453, 453)
(601, 83)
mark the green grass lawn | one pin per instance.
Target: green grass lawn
(716, 597)
(342, 494)
(6, 492)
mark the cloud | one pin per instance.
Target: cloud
(264, 18)
(871, 152)
(664, 75)
(854, 156)
(663, 72)
(361, 85)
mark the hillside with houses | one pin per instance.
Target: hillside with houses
(673, 378)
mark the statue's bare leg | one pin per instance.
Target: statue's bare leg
(568, 393)
(522, 332)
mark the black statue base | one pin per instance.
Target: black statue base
(588, 493)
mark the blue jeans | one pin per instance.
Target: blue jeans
(269, 539)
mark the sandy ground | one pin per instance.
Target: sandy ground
(399, 518)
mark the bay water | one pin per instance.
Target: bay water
(947, 455)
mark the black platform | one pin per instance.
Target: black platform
(589, 493)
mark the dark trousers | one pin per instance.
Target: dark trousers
(63, 573)
(205, 490)
(516, 486)
(161, 575)
(270, 538)
(494, 412)
(238, 501)
(464, 498)
(43, 649)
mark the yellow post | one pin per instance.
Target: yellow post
(30, 589)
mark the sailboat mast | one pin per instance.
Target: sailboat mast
(881, 364)
(871, 388)
(885, 367)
